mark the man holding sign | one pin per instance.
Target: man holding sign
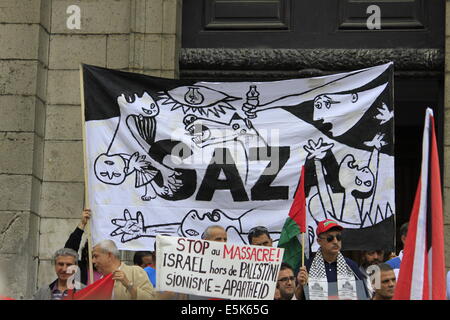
(329, 266)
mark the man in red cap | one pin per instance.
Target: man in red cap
(329, 266)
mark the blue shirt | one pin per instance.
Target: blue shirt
(151, 275)
(394, 263)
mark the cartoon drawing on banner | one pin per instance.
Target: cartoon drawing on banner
(353, 207)
(192, 226)
(197, 99)
(175, 156)
(138, 117)
(340, 111)
(206, 132)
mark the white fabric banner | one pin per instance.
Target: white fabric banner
(173, 157)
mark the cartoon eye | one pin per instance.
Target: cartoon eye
(368, 183)
(192, 233)
(116, 174)
(318, 105)
(236, 126)
(103, 174)
(152, 106)
(358, 181)
(109, 162)
(198, 99)
(327, 104)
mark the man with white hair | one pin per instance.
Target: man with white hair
(131, 282)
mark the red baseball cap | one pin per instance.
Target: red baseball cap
(326, 225)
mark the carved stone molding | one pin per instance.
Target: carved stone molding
(280, 63)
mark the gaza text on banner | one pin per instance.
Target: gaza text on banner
(172, 157)
(216, 269)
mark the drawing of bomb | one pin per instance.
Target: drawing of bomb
(137, 126)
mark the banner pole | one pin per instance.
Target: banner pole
(86, 194)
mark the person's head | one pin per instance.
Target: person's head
(387, 283)
(403, 232)
(63, 259)
(286, 282)
(143, 258)
(259, 236)
(371, 257)
(215, 233)
(329, 236)
(105, 256)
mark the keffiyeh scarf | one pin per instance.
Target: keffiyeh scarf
(318, 283)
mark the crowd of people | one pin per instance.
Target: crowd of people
(327, 274)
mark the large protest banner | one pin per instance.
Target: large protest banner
(172, 157)
(216, 269)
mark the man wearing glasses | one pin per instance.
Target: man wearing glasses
(286, 282)
(329, 266)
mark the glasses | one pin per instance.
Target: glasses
(331, 237)
(286, 279)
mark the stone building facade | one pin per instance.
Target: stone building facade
(41, 166)
(41, 163)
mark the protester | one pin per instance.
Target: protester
(395, 262)
(215, 233)
(259, 236)
(286, 282)
(143, 259)
(329, 265)
(367, 259)
(63, 259)
(131, 282)
(74, 242)
(212, 233)
(387, 283)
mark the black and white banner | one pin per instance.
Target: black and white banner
(173, 157)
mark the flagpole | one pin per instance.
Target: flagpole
(86, 194)
(303, 249)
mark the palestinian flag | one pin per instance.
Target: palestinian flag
(294, 225)
(422, 272)
(100, 290)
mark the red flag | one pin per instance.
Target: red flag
(422, 271)
(298, 208)
(100, 290)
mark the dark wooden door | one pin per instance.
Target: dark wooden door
(275, 39)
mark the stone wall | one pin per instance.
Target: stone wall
(41, 166)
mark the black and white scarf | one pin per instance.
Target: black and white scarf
(318, 283)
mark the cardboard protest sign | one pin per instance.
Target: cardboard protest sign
(216, 269)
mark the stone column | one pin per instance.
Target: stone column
(41, 164)
(101, 40)
(155, 38)
(21, 63)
